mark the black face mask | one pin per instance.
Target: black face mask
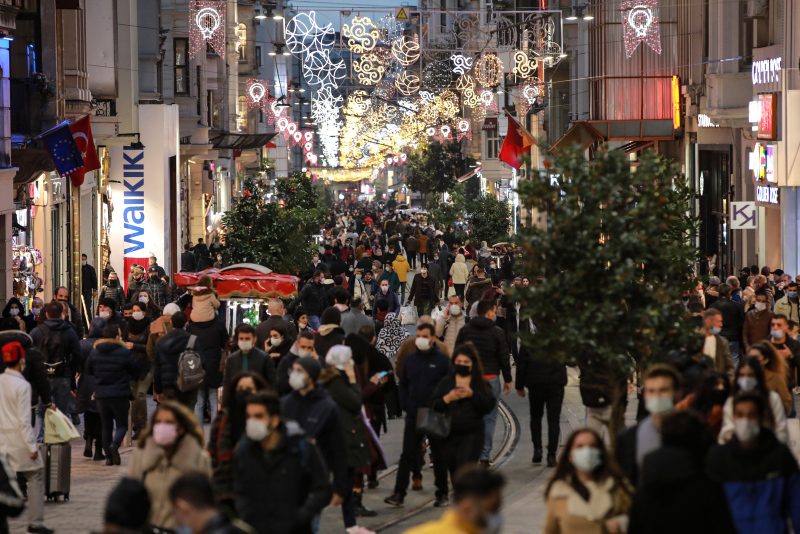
(113, 283)
(463, 370)
(242, 396)
(718, 397)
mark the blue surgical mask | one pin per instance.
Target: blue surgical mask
(776, 334)
(791, 295)
(358, 277)
(747, 383)
(715, 330)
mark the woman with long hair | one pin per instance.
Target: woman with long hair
(464, 395)
(228, 427)
(170, 446)
(152, 310)
(774, 370)
(749, 376)
(709, 395)
(136, 340)
(587, 492)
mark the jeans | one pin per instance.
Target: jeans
(35, 503)
(734, 348)
(412, 259)
(490, 419)
(410, 455)
(139, 389)
(60, 387)
(463, 449)
(201, 401)
(313, 322)
(348, 506)
(538, 398)
(113, 410)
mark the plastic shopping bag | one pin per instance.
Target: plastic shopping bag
(408, 315)
(58, 428)
(437, 313)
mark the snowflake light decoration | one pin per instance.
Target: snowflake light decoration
(463, 129)
(524, 65)
(207, 25)
(488, 70)
(304, 34)
(640, 23)
(362, 35)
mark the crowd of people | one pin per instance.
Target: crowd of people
(296, 405)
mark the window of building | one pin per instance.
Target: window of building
(258, 56)
(492, 144)
(181, 62)
(241, 111)
(241, 44)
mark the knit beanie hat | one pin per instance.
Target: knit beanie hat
(311, 366)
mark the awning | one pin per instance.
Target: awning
(468, 175)
(241, 141)
(31, 162)
(271, 145)
(581, 134)
(244, 281)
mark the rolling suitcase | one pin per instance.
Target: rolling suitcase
(57, 459)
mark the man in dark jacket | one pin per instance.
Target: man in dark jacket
(212, 337)
(281, 481)
(389, 296)
(60, 347)
(165, 365)
(545, 378)
(490, 340)
(156, 287)
(85, 401)
(88, 288)
(113, 290)
(759, 474)
(477, 287)
(330, 333)
(313, 299)
(187, 259)
(192, 498)
(72, 315)
(316, 413)
(424, 292)
(422, 371)
(732, 320)
(303, 347)
(276, 313)
(249, 358)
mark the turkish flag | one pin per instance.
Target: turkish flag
(516, 143)
(82, 134)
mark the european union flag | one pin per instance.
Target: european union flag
(62, 148)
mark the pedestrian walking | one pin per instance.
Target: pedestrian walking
(248, 357)
(459, 273)
(136, 341)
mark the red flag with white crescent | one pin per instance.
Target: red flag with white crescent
(82, 134)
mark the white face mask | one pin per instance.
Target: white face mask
(275, 341)
(36, 312)
(455, 309)
(14, 311)
(105, 314)
(256, 429)
(760, 306)
(303, 353)
(302, 324)
(137, 315)
(297, 380)
(423, 343)
(746, 430)
(83, 262)
(144, 299)
(246, 346)
(586, 459)
(385, 288)
(747, 383)
(659, 405)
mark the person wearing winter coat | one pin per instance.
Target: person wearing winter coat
(165, 365)
(35, 371)
(545, 378)
(12, 318)
(385, 293)
(159, 327)
(460, 273)
(339, 380)
(212, 337)
(310, 406)
(411, 245)
(756, 322)
(276, 318)
(113, 290)
(464, 395)
(478, 285)
(675, 494)
(248, 357)
(759, 474)
(424, 292)
(330, 333)
(204, 300)
(85, 401)
(113, 366)
(159, 291)
(170, 446)
(281, 480)
(355, 318)
(401, 269)
(313, 299)
(451, 322)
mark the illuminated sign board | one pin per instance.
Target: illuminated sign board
(767, 194)
(676, 103)
(704, 121)
(766, 71)
(768, 116)
(762, 162)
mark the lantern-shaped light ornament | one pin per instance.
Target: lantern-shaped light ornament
(488, 70)
(308, 135)
(403, 157)
(297, 138)
(282, 123)
(207, 25)
(444, 133)
(388, 160)
(464, 129)
(488, 100)
(395, 160)
(640, 23)
(431, 131)
(308, 147)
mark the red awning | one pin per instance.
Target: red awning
(245, 283)
(271, 145)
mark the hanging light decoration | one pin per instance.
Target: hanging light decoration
(362, 35)
(524, 65)
(406, 51)
(385, 89)
(437, 75)
(464, 129)
(307, 32)
(369, 69)
(207, 25)
(640, 23)
(488, 70)
(461, 63)
(488, 100)
(407, 84)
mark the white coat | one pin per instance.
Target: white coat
(17, 440)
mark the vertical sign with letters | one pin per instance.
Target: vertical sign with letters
(744, 215)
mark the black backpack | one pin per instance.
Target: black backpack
(52, 351)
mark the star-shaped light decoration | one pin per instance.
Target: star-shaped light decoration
(640, 23)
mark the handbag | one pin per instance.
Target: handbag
(58, 428)
(432, 423)
(408, 315)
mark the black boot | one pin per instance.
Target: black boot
(537, 455)
(87, 450)
(98, 451)
(359, 507)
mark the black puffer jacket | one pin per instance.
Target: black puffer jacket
(113, 366)
(70, 344)
(347, 397)
(168, 349)
(85, 401)
(35, 372)
(313, 298)
(490, 340)
(539, 370)
(466, 414)
(331, 337)
(212, 336)
(138, 331)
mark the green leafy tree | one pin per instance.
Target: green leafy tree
(612, 262)
(270, 235)
(297, 191)
(489, 219)
(434, 167)
(447, 213)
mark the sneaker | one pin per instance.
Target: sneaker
(113, 452)
(359, 530)
(395, 499)
(486, 463)
(372, 483)
(416, 484)
(40, 530)
(441, 502)
(551, 460)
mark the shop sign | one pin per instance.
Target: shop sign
(744, 215)
(489, 123)
(766, 70)
(768, 115)
(704, 121)
(768, 194)
(762, 162)
(58, 190)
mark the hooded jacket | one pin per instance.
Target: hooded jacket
(9, 322)
(85, 401)
(392, 278)
(35, 372)
(328, 336)
(70, 345)
(401, 267)
(113, 367)
(459, 270)
(212, 337)
(347, 397)
(313, 298)
(675, 495)
(490, 340)
(421, 373)
(204, 305)
(165, 365)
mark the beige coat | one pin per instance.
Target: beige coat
(17, 439)
(447, 328)
(459, 270)
(569, 513)
(158, 473)
(204, 307)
